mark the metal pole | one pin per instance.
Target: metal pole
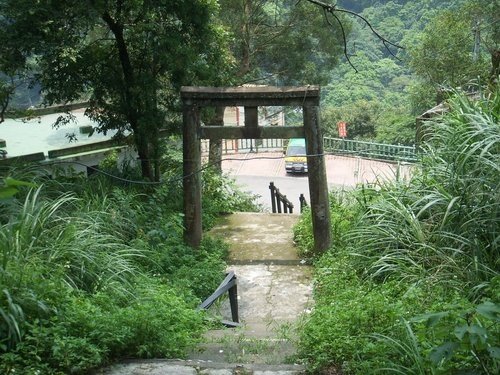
(233, 301)
(303, 202)
(278, 200)
(273, 196)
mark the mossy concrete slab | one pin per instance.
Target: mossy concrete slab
(272, 293)
(258, 237)
(180, 367)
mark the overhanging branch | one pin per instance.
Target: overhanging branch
(332, 9)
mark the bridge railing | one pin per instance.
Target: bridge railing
(370, 150)
(232, 146)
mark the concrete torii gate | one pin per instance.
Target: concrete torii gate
(251, 98)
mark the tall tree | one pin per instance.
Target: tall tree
(486, 26)
(281, 42)
(128, 56)
(455, 47)
(12, 63)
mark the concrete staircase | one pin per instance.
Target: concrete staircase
(274, 291)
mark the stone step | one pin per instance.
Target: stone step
(198, 367)
(258, 237)
(274, 291)
(245, 347)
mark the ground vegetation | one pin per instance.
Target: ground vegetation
(411, 282)
(93, 270)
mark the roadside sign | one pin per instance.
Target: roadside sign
(342, 127)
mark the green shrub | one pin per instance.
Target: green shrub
(456, 340)
(220, 195)
(92, 271)
(89, 331)
(351, 314)
(198, 271)
(443, 223)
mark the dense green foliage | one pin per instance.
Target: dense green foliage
(128, 58)
(411, 284)
(132, 78)
(92, 272)
(447, 45)
(269, 41)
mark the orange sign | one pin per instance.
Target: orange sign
(342, 127)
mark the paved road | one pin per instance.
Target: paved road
(253, 172)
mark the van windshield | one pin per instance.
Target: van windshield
(295, 150)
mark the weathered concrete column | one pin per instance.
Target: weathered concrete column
(192, 175)
(318, 186)
(215, 145)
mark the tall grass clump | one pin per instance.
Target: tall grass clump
(92, 270)
(411, 284)
(50, 249)
(444, 224)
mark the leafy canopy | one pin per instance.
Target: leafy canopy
(282, 42)
(128, 57)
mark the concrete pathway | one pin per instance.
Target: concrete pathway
(274, 291)
(190, 367)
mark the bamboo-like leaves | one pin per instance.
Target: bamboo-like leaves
(44, 241)
(444, 223)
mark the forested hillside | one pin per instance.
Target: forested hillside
(390, 88)
(378, 90)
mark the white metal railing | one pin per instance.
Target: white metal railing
(231, 146)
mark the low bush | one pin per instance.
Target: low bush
(88, 331)
(352, 313)
(198, 271)
(221, 196)
(344, 212)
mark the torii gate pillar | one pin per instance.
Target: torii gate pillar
(251, 98)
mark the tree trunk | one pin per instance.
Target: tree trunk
(131, 96)
(245, 40)
(144, 155)
(495, 67)
(155, 144)
(154, 136)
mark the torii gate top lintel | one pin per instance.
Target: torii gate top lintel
(306, 97)
(251, 96)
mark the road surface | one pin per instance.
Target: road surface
(254, 171)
